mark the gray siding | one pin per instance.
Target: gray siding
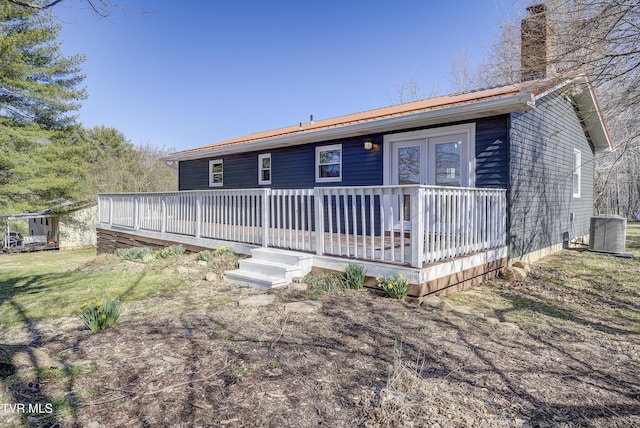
(540, 192)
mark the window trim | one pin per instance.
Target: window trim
(262, 156)
(213, 162)
(320, 149)
(577, 171)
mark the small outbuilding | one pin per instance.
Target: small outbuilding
(68, 225)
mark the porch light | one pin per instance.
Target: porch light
(368, 145)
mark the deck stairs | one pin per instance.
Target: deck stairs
(270, 268)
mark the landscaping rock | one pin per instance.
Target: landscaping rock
(434, 302)
(182, 270)
(491, 320)
(305, 307)
(461, 310)
(512, 273)
(210, 276)
(298, 286)
(257, 300)
(522, 265)
(147, 258)
(202, 263)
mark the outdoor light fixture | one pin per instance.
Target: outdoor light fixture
(368, 145)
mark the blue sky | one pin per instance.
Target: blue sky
(189, 73)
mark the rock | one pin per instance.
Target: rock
(512, 273)
(298, 286)
(202, 263)
(171, 360)
(182, 270)
(461, 310)
(210, 276)
(522, 265)
(305, 307)
(28, 357)
(434, 302)
(583, 346)
(95, 424)
(492, 321)
(257, 300)
(147, 258)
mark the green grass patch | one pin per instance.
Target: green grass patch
(36, 286)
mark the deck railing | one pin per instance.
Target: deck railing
(398, 224)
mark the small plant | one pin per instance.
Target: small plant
(205, 256)
(354, 275)
(133, 254)
(222, 251)
(170, 251)
(395, 286)
(99, 314)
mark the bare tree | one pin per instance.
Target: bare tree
(101, 8)
(411, 90)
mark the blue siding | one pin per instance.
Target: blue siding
(540, 194)
(294, 167)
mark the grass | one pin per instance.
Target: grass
(44, 285)
(585, 289)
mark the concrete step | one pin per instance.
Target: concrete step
(255, 280)
(271, 268)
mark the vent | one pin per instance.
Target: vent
(608, 234)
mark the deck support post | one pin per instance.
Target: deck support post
(318, 196)
(417, 226)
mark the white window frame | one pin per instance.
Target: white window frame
(261, 169)
(577, 172)
(320, 149)
(211, 181)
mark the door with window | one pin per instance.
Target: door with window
(440, 157)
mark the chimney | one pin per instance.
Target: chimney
(538, 49)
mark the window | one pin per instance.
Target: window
(264, 168)
(215, 173)
(329, 163)
(577, 173)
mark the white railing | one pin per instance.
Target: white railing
(398, 224)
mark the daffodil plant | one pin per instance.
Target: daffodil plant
(99, 314)
(395, 286)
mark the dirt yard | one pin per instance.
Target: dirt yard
(559, 348)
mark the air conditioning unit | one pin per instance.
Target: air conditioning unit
(608, 234)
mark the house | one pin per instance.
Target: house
(446, 191)
(68, 225)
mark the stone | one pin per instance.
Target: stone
(182, 270)
(27, 357)
(461, 310)
(522, 265)
(491, 320)
(304, 307)
(257, 300)
(171, 360)
(210, 276)
(434, 302)
(202, 263)
(512, 273)
(147, 258)
(298, 286)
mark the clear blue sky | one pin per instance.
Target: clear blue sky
(190, 73)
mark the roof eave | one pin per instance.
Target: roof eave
(467, 111)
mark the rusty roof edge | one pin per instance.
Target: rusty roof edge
(516, 101)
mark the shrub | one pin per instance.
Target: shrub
(329, 282)
(354, 275)
(133, 254)
(205, 256)
(170, 251)
(99, 315)
(395, 286)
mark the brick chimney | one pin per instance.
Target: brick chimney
(538, 48)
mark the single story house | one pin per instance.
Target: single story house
(446, 190)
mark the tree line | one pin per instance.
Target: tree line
(44, 153)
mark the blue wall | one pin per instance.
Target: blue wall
(294, 167)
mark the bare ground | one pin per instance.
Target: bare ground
(194, 357)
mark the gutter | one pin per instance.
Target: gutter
(473, 110)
